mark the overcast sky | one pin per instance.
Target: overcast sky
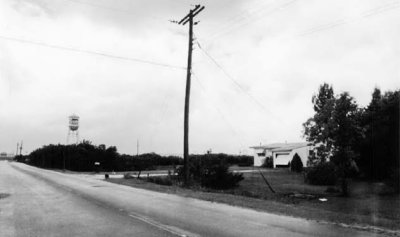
(271, 56)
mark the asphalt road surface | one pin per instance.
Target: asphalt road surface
(48, 203)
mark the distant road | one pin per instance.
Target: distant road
(48, 203)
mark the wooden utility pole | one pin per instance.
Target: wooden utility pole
(188, 18)
(137, 147)
(20, 149)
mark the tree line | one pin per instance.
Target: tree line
(357, 140)
(86, 156)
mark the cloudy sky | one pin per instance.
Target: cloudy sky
(120, 66)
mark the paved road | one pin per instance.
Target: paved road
(48, 203)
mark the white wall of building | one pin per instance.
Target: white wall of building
(260, 155)
(283, 157)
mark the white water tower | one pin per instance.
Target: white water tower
(73, 126)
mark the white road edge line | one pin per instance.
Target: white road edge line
(170, 229)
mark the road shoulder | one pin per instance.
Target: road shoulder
(364, 223)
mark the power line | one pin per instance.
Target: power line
(243, 15)
(343, 21)
(252, 20)
(233, 80)
(155, 128)
(381, 9)
(323, 27)
(114, 9)
(219, 111)
(66, 48)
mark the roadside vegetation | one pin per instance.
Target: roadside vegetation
(87, 157)
(369, 204)
(352, 175)
(351, 141)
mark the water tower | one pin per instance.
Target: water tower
(73, 125)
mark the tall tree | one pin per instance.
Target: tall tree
(318, 128)
(369, 148)
(334, 130)
(380, 148)
(346, 133)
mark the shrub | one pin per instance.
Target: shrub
(160, 180)
(322, 174)
(332, 190)
(267, 163)
(128, 176)
(394, 179)
(219, 177)
(211, 172)
(296, 165)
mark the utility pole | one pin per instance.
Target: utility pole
(188, 18)
(20, 149)
(137, 147)
(16, 153)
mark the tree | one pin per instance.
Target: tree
(318, 128)
(334, 130)
(296, 165)
(380, 148)
(346, 133)
(371, 146)
(111, 155)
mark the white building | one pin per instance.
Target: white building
(281, 153)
